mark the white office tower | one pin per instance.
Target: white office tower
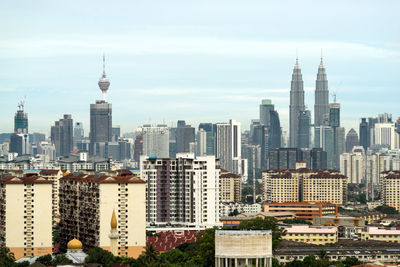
(352, 165)
(181, 191)
(156, 141)
(201, 140)
(228, 146)
(385, 134)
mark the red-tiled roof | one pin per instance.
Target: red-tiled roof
(169, 239)
(25, 180)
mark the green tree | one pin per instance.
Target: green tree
(269, 223)
(21, 264)
(233, 213)
(322, 254)
(6, 257)
(296, 221)
(351, 261)
(45, 260)
(173, 256)
(362, 198)
(61, 258)
(207, 247)
(99, 255)
(386, 209)
(150, 257)
(275, 263)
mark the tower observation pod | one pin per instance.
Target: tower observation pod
(104, 83)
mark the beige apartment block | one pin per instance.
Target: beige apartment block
(87, 205)
(390, 188)
(230, 187)
(26, 215)
(305, 185)
(54, 176)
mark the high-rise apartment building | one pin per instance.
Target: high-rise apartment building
(156, 141)
(377, 163)
(321, 106)
(87, 203)
(54, 176)
(62, 135)
(182, 190)
(352, 165)
(390, 188)
(230, 187)
(304, 185)
(296, 104)
(26, 215)
(351, 140)
(228, 146)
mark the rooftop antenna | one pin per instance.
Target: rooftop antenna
(21, 104)
(334, 97)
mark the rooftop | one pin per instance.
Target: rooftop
(310, 229)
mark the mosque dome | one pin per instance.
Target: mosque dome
(74, 244)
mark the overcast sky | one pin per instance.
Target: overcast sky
(201, 61)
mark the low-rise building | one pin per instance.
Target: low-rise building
(316, 235)
(303, 210)
(234, 221)
(365, 251)
(243, 248)
(381, 234)
(226, 208)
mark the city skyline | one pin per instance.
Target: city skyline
(161, 66)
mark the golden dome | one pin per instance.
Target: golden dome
(74, 244)
(113, 221)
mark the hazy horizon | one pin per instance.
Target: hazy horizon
(197, 61)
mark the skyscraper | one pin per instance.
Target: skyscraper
(304, 121)
(351, 140)
(156, 141)
(296, 104)
(185, 134)
(62, 135)
(228, 146)
(100, 117)
(364, 134)
(267, 134)
(78, 131)
(19, 140)
(321, 107)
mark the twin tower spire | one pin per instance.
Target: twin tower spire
(298, 114)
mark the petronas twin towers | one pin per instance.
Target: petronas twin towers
(299, 116)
